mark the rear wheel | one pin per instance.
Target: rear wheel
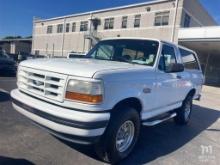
(121, 135)
(184, 112)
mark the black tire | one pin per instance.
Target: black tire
(106, 149)
(184, 112)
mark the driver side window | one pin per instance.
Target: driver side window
(167, 58)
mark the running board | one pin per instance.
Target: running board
(158, 121)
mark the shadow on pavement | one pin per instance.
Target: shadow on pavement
(4, 97)
(87, 150)
(12, 161)
(163, 139)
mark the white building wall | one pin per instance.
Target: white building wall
(59, 44)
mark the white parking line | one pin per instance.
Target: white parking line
(4, 91)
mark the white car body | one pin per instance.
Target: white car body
(156, 91)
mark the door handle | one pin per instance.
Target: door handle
(179, 77)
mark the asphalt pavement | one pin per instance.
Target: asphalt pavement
(23, 143)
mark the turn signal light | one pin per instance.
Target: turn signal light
(84, 97)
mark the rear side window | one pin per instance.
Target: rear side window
(189, 59)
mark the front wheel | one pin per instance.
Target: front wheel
(121, 135)
(184, 112)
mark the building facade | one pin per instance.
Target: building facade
(160, 19)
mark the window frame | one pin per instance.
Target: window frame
(160, 17)
(162, 55)
(49, 29)
(59, 28)
(137, 21)
(124, 22)
(84, 25)
(93, 51)
(198, 67)
(109, 23)
(73, 27)
(67, 28)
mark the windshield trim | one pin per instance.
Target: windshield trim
(88, 55)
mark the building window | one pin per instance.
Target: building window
(162, 19)
(60, 28)
(109, 23)
(84, 26)
(49, 29)
(124, 22)
(137, 21)
(73, 27)
(67, 27)
(187, 20)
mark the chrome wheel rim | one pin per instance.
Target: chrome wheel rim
(187, 110)
(125, 136)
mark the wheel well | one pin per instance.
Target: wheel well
(192, 92)
(131, 102)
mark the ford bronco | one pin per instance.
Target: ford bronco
(105, 97)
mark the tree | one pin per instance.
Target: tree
(28, 37)
(12, 37)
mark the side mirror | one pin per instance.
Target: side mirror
(176, 68)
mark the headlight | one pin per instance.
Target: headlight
(90, 92)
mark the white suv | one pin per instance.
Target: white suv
(105, 97)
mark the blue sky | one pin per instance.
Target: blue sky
(16, 15)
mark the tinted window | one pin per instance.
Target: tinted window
(167, 59)
(189, 59)
(141, 52)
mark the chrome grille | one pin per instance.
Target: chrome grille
(47, 84)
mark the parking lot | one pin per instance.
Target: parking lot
(21, 142)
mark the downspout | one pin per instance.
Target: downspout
(64, 29)
(33, 36)
(174, 21)
(90, 31)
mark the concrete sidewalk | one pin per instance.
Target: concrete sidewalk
(210, 98)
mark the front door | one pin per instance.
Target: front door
(166, 85)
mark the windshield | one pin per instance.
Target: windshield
(141, 52)
(3, 54)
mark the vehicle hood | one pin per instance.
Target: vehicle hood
(76, 66)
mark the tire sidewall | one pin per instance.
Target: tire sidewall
(180, 118)
(188, 100)
(118, 118)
